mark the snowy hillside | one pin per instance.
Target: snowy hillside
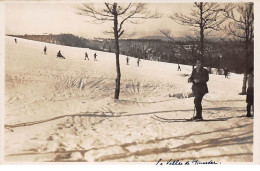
(63, 110)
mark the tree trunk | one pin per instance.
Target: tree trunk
(192, 55)
(244, 84)
(247, 32)
(202, 45)
(117, 90)
(246, 68)
(201, 34)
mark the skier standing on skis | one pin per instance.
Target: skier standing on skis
(138, 62)
(250, 92)
(226, 72)
(86, 55)
(45, 50)
(179, 67)
(15, 40)
(95, 57)
(199, 78)
(127, 60)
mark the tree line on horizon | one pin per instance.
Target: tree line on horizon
(159, 50)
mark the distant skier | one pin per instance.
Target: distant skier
(15, 40)
(86, 55)
(179, 67)
(226, 72)
(199, 78)
(250, 92)
(45, 50)
(95, 57)
(59, 55)
(138, 61)
(127, 61)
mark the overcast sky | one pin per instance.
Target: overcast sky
(55, 18)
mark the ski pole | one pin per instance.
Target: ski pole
(193, 112)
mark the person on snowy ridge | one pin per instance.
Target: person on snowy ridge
(138, 61)
(95, 57)
(45, 50)
(86, 55)
(59, 55)
(199, 78)
(250, 91)
(179, 67)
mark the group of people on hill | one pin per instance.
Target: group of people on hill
(199, 78)
(95, 56)
(59, 55)
(138, 61)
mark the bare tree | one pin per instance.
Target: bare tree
(241, 26)
(118, 14)
(204, 17)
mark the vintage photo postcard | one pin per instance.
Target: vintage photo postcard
(141, 82)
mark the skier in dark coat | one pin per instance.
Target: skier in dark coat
(15, 40)
(45, 50)
(127, 61)
(138, 61)
(59, 55)
(86, 55)
(95, 57)
(179, 67)
(199, 78)
(250, 92)
(226, 72)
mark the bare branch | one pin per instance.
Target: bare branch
(185, 20)
(129, 16)
(128, 35)
(121, 33)
(132, 13)
(139, 12)
(205, 15)
(240, 26)
(109, 9)
(89, 10)
(125, 10)
(167, 33)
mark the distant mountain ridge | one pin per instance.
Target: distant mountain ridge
(163, 38)
(181, 39)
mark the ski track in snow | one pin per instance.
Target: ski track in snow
(63, 110)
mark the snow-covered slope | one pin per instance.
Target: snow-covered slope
(63, 110)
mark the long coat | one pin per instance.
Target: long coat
(201, 87)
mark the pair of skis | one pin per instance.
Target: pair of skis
(158, 118)
(161, 119)
(177, 120)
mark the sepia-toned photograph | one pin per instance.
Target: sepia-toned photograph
(156, 83)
